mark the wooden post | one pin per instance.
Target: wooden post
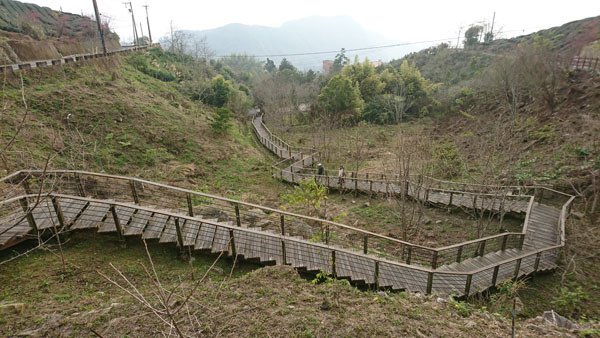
(25, 205)
(429, 283)
(504, 240)
(365, 245)
(409, 255)
(495, 275)
(232, 243)
(482, 248)
(283, 252)
(59, 213)
(118, 226)
(80, 188)
(26, 186)
(517, 268)
(377, 274)
(522, 241)
(333, 272)
(536, 265)
(238, 219)
(434, 260)
(327, 233)
(134, 193)
(179, 233)
(459, 254)
(468, 285)
(189, 204)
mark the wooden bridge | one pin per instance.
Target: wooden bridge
(38, 203)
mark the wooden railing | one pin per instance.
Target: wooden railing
(388, 261)
(586, 63)
(385, 272)
(67, 59)
(293, 170)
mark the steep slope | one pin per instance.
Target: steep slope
(271, 301)
(106, 115)
(30, 32)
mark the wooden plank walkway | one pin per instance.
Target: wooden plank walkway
(464, 269)
(542, 231)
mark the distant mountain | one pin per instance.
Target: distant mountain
(311, 34)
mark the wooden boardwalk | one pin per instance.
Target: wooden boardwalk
(535, 250)
(131, 207)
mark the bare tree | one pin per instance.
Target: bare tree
(201, 50)
(505, 81)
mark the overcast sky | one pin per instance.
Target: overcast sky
(400, 21)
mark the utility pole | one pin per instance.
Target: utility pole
(141, 32)
(492, 29)
(135, 35)
(171, 46)
(99, 26)
(458, 39)
(148, 22)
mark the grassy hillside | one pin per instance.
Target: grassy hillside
(232, 300)
(451, 66)
(31, 32)
(39, 22)
(109, 116)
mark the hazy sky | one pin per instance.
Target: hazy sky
(398, 20)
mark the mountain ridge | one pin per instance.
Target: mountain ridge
(309, 34)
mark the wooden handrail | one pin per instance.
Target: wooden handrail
(529, 208)
(279, 236)
(228, 200)
(291, 169)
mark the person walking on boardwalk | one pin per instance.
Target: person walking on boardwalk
(320, 173)
(341, 176)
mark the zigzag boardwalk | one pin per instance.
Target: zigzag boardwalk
(535, 249)
(130, 207)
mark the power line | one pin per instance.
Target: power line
(355, 49)
(347, 50)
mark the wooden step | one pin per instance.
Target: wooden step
(137, 224)
(155, 226)
(169, 234)
(190, 232)
(205, 237)
(91, 216)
